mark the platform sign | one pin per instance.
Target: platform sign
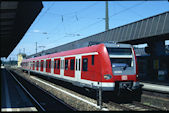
(162, 74)
(156, 64)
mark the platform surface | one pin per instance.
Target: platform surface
(155, 86)
(13, 97)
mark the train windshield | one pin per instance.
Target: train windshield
(122, 60)
(119, 51)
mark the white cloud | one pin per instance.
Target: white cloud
(36, 31)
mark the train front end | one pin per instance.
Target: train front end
(124, 66)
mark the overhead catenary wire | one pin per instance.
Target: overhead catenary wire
(121, 11)
(44, 13)
(62, 15)
(97, 22)
(136, 13)
(128, 8)
(109, 17)
(75, 12)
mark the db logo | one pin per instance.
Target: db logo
(124, 77)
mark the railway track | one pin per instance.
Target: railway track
(157, 99)
(133, 106)
(157, 94)
(148, 107)
(43, 100)
(78, 101)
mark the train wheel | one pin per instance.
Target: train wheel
(137, 94)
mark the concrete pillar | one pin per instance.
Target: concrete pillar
(156, 61)
(157, 48)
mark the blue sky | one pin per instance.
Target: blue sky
(63, 22)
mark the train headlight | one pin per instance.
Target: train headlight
(137, 76)
(107, 76)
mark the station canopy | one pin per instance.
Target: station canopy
(15, 19)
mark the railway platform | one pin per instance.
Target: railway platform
(157, 86)
(12, 96)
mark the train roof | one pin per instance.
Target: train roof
(92, 48)
(118, 45)
(111, 44)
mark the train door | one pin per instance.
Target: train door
(52, 67)
(44, 65)
(48, 66)
(78, 68)
(41, 65)
(37, 65)
(57, 66)
(62, 67)
(33, 65)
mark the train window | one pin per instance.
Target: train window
(85, 64)
(72, 64)
(46, 64)
(66, 64)
(41, 64)
(92, 59)
(79, 64)
(33, 65)
(49, 63)
(58, 64)
(55, 64)
(61, 64)
(119, 51)
(37, 64)
(76, 64)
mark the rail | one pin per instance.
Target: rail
(134, 106)
(43, 100)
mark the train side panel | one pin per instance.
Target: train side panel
(69, 68)
(90, 67)
(57, 66)
(106, 69)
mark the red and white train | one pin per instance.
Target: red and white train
(108, 65)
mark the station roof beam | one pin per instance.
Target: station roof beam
(15, 19)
